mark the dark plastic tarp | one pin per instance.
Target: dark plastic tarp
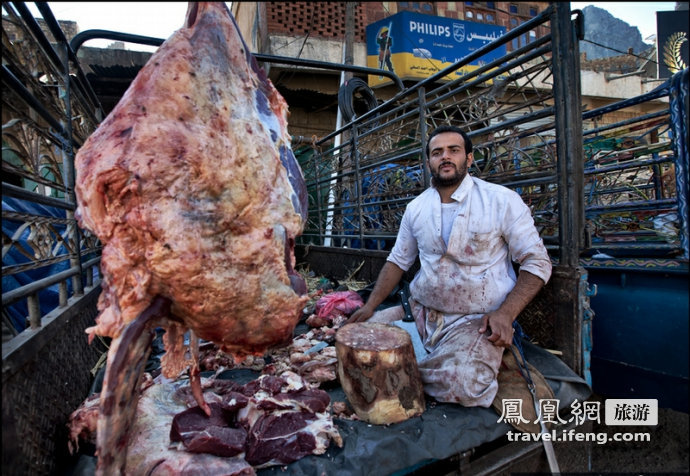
(442, 431)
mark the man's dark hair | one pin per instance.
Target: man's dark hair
(441, 129)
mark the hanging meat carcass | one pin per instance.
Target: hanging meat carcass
(192, 187)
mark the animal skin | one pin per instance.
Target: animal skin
(192, 188)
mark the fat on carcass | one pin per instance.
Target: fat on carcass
(192, 188)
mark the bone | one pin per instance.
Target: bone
(126, 360)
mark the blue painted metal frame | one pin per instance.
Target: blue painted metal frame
(678, 97)
(640, 334)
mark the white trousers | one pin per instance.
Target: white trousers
(462, 364)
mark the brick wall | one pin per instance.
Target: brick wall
(69, 28)
(319, 19)
(327, 19)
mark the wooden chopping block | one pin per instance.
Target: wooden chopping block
(378, 371)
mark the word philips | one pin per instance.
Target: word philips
(429, 29)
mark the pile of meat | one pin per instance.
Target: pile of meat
(275, 419)
(311, 354)
(333, 309)
(269, 421)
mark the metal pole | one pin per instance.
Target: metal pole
(327, 238)
(423, 133)
(349, 36)
(68, 166)
(568, 277)
(348, 59)
(569, 146)
(358, 184)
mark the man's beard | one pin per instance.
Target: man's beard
(454, 179)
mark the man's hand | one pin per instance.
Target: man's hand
(360, 315)
(500, 321)
(389, 277)
(500, 326)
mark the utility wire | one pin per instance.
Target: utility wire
(282, 79)
(621, 52)
(311, 27)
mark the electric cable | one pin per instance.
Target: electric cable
(346, 98)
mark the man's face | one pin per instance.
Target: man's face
(448, 162)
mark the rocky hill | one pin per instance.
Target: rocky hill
(603, 28)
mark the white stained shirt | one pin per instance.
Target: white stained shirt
(473, 274)
(448, 213)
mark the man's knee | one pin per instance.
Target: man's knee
(479, 388)
(469, 384)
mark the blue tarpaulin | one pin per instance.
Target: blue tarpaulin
(49, 298)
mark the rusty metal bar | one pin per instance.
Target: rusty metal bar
(10, 190)
(63, 293)
(20, 293)
(423, 133)
(34, 306)
(84, 36)
(569, 147)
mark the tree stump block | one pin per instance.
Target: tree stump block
(378, 372)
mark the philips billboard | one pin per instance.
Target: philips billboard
(415, 46)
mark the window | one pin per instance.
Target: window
(533, 12)
(489, 17)
(513, 8)
(522, 39)
(469, 3)
(491, 5)
(469, 14)
(480, 17)
(513, 23)
(425, 7)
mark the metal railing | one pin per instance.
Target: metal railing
(587, 186)
(49, 109)
(636, 174)
(361, 177)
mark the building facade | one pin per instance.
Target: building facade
(317, 31)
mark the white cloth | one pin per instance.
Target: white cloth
(458, 283)
(456, 363)
(448, 213)
(474, 273)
